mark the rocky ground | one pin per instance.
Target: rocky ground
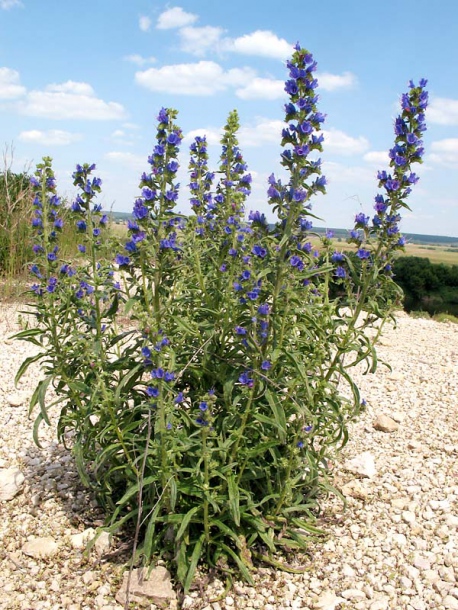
(395, 546)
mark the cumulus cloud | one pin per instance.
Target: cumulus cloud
(144, 23)
(262, 88)
(340, 143)
(445, 152)
(52, 137)
(70, 100)
(261, 43)
(353, 175)
(377, 157)
(212, 134)
(199, 40)
(139, 60)
(128, 159)
(10, 87)
(331, 82)
(202, 78)
(175, 17)
(266, 131)
(443, 111)
(7, 4)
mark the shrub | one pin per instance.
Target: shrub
(207, 420)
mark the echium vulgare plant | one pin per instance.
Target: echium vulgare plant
(205, 415)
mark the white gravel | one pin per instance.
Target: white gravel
(395, 547)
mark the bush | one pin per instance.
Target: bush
(207, 420)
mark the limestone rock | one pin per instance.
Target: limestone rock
(80, 540)
(362, 464)
(328, 600)
(16, 400)
(354, 489)
(145, 590)
(40, 547)
(385, 424)
(11, 481)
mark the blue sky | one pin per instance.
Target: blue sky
(83, 82)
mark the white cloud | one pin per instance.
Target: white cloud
(137, 59)
(331, 82)
(377, 157)
(70, 100)
(175, 17)
(262, 43)
(212, 134)
(199, 40)
(118, 133)
(144, 23)
(443, 111)
(262, 88)
(202, 78)
(10, 86)
(353, 175)
(7, 4)
(340, 143)
(138, 163)
(52, 137)
(266, 131)
(445, 152)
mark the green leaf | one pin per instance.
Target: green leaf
(25, 365)
(39, 397)
(186, 520)
(278, 414)
(234, 499)
(196, 553)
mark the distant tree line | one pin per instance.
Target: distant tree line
(427, 286)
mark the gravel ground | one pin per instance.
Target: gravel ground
(394, 547)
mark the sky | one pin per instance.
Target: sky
(83, 82)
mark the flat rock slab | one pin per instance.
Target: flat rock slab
(40, 547)
(11, 481)
(144, 589)
(362, 465)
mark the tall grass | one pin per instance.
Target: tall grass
(15, 214)
(16, 211)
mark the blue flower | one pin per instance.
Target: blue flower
(121, 260)
(203, 406)
(340, 272)
(152, 391)
(266, 365)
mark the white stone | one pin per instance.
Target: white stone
(103, 543)
(11, 482)
(353, 594)
(385, 424)
(40, 547)
(449, 602)
(328, 600)
(80, 540)
(362, 464)
(145, 590)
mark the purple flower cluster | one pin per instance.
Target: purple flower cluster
(301, 136)
(90, 219)
(201, 184)
(159, 193)
(47, 224)
(397, 184)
